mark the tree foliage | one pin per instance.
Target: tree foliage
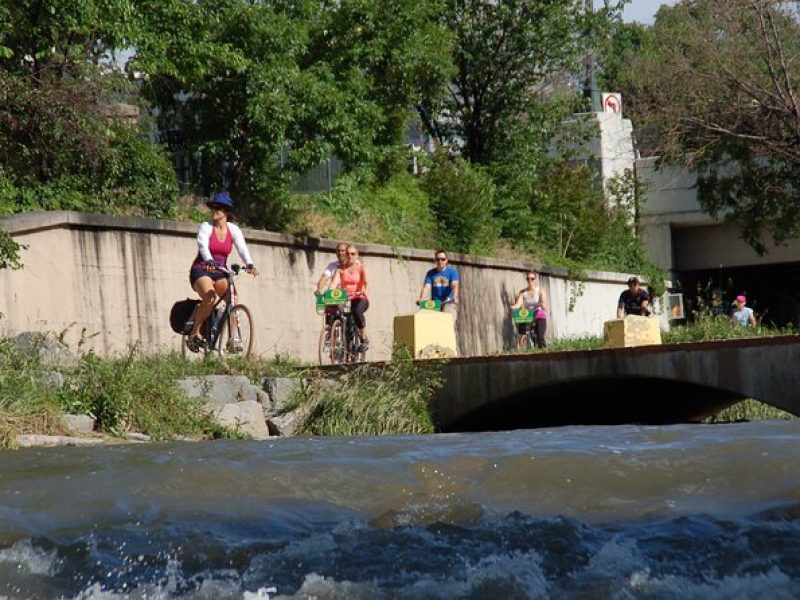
(62, 143)
(253, 94)
(261, 92)
(720, 83)
(462, 198)
(572, 217)
(514, 61)
(9, 252)
(625, 41)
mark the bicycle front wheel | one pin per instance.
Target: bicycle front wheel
(236, 335)
(338, 350)
(324, 345)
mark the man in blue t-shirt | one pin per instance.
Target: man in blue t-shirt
(441, 283)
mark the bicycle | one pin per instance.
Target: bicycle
(229, 327)
(338, 340)
(531, 339)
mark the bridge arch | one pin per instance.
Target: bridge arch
(666, 383)
(597, 401)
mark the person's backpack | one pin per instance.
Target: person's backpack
(180, 317)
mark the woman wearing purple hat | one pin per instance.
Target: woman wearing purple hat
(743, 314)
(215, 240)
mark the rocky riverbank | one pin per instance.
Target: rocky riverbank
(50, 395)
(232, 401)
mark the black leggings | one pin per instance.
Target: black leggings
(358, 307)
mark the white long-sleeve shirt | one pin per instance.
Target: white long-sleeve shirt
(204, 237)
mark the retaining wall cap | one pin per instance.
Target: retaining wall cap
(29, 222)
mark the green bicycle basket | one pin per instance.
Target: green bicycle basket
(523, 315)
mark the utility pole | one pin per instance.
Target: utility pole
(590, 69)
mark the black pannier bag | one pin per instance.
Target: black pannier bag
(180, 317)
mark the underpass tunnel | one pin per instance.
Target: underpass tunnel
(597, 401)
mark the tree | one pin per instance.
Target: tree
(392, 54)
(720, 84)
(59, 36)
(572, 218)
(263, 91)
(462, 201)
(623, 43)
(511, 59)
(61, 145)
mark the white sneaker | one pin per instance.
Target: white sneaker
(235, 345)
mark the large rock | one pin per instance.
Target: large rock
(288, 424)
(49, 349)
(79, 424)
(281, 391)
(30, 440)
(232, 401)
(218, 390)
(244, 417)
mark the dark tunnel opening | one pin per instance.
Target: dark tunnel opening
(597, 401)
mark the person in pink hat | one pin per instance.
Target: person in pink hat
(743, 314)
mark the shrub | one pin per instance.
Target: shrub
(462, 198)
(136, 394)
(396, 212)
(748, 410)
(24, 383)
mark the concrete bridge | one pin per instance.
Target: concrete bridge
(668, 383)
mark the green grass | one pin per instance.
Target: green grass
(128, 393)
(579, 343)
(749, 410)
(28, 401)
(720, 327)
(136, 394)
(372, 400)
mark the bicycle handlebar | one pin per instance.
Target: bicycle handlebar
(234, 268)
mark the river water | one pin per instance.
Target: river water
(687, 511)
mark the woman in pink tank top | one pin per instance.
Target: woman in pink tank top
(353, 278)
(215, 240)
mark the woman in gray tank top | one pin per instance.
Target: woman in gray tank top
(533, 298)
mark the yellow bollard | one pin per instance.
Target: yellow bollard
(429, 334)
(633, 330)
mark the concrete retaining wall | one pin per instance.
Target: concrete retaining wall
(107, 283)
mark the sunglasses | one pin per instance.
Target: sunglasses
(216, 207)
(441, 259)
(352, 253)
